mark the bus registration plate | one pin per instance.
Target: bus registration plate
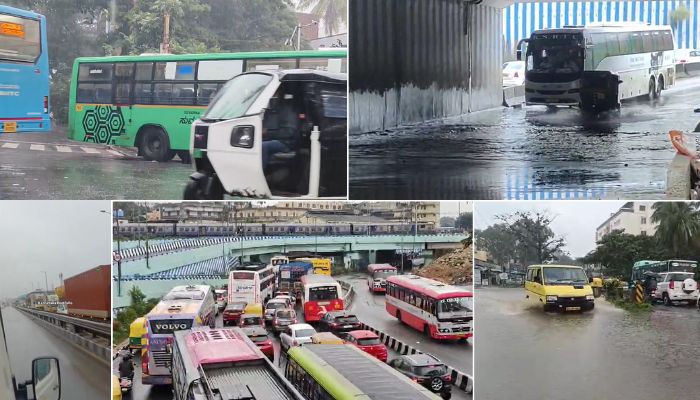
(10, 126)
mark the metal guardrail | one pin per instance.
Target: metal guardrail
(88, 343)
(94, 327)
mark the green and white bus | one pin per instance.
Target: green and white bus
(150, 101)
(344, 372)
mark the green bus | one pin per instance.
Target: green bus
(640, 267)
(344, 372)
(150, 101)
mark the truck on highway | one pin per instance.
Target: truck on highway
(36, 300)
(46, 376)
(88, 293)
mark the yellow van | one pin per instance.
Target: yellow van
(254, 308)
(558, 287)
(326, 338)
(137, 330)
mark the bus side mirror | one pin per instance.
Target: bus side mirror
(46, 378)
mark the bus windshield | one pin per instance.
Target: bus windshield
(384, 273)
(323, 293)
(234, 99)
(20, 39)
(555, 53)
(564, 276)
(456, 307)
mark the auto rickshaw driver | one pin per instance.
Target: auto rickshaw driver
(280, 127)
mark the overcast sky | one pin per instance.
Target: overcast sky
(452, 208)
(576, 221)
(53, 236)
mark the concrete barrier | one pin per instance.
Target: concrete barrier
(514, 96)
(460, 380)
(687, 70)
(99, 351)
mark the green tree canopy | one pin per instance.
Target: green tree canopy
(678, 228)
(535, 240)
(617, 251)
(465, 221)
(333, 13)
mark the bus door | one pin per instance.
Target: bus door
(599, 90)
(122, 89)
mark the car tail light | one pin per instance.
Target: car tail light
(46, 104)
(295, 343)
(447, 378)
(274, 321)
(295, 321)
(515, 75)
(671, 285)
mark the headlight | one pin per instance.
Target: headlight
(243, 136)
(589, 297)
(551, 298)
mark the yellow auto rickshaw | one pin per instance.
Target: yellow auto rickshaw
(137, 330)
(254, 308)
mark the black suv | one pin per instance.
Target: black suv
(426, 370)
(338, 322)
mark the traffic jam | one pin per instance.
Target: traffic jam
(288, 322)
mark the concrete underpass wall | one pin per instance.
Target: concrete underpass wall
(417, 60)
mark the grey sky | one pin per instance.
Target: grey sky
(452, 208)
(575, 220)
(53, 236)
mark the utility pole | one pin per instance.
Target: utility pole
(46, 280)
(165, 46)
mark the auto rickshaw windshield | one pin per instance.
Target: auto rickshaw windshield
(236, 96)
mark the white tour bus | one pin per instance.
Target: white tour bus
(596, 66)
(254, 283)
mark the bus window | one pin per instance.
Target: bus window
(612, 44)
(179, 71)
(219, 70)
(205, 92)
(273, 64)
(625, 39)
(637, 46)
(95, 72)
(20, 39)
(142, 93)
(94, 93)
(657, 41)
(173, 93)
(144, 71)
(647, 43)
(667, 40)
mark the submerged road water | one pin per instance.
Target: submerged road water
(607, 353)
(83, 377)
(527, 153)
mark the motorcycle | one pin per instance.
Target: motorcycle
(126, 384)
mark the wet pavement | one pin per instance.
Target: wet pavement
(526, 153)
(370, 309)
(607, 353)
(83, 377)
(49, 166)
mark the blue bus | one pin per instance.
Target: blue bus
(24, 72)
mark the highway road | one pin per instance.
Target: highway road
(83, 377)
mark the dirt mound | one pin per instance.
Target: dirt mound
(454, 268)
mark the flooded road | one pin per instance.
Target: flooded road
(83, 377)
(607, 353)
(527, 153)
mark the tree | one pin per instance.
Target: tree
(678, 15)
(498, 242)
(617, 252)
(535, 241)
(447, 222)
(465, 221)
(333, 13)
(678, 229)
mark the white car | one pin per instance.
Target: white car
(687, 56)
(677, 286)
(514, 73)
(296, 335)
(289, 298)
(273, 305)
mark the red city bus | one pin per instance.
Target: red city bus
(435, 308)
(320, 294)
(377, 276)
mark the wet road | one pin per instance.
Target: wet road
(510, 153)
(83, 377)
(147, 392)
(607, 353)
(370, 309)
(49, 166)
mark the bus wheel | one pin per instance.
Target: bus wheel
(155, 145)
(659, 87)
(652, 89)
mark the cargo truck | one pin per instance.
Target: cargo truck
(88, 294)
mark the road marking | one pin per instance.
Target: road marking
(10, 145)
(116, 153)
(90, 150)
(39, 147)
(64, 149)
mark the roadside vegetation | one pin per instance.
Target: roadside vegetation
(139, 307)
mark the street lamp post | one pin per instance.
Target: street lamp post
(119, 255)
(46, 280)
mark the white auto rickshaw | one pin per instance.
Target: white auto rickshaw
(273, 134)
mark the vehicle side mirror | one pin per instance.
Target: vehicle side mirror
(46, 378)
(519, 55)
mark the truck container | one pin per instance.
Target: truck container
(88, 293)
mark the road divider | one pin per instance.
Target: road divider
(460, 380)
(514, 96)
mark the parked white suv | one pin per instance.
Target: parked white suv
(296, 335)
(677, 286)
